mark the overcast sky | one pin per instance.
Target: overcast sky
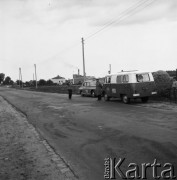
(141, 35)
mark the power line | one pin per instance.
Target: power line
(106, 25)
(115, 17)
(133, 10)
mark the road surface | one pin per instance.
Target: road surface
(85, 131)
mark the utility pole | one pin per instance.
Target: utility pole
(19, 75)
(83, 58)
(35, 75)
(109, 69)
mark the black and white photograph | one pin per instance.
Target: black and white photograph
(88, 89)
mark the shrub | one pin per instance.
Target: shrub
(163, 82)
(42, 82)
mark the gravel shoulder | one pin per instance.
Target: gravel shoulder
(23, 155)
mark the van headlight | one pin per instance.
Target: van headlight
(135, 95)
(154, 93)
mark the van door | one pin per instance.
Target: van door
(107, 85)
(84, 87)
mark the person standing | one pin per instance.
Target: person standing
(70, 91)
(174, 87)
(98, 89)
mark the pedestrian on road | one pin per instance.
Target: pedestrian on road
(174, 87)
(70, 91)
(98, 89)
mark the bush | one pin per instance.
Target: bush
(42, 82)
(163, 83)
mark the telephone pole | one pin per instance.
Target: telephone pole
(35, 74)
(109, 69)
(83, 58)
(19, 75)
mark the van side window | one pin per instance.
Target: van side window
(119, 79)
(125, 78)
(143, 77)
(109, 79)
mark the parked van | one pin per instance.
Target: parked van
(88, 88)
(127, 85)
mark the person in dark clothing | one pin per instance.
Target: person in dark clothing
(174, 87)
(98, 89)
(70, 91)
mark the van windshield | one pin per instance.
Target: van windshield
(143, 77)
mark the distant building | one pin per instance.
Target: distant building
(79, 79)
(58, 80)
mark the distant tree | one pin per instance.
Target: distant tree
(11, 82)
(42, 82)
(49, 82)
(2, 75)
(7, 81)
(19, 82)
(27, 84)
(32, 83)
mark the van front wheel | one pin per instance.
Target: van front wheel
(125, 99)
(81, 93)
(93, 93)
(144, 99)
(106, 97)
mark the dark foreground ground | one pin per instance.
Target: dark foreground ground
(84, 132)
(23, 155)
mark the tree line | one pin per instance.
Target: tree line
(5, 80)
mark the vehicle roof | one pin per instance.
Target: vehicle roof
(128, 72)
(89, 80)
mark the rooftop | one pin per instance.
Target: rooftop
(58, 77)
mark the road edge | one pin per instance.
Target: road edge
(63, 167)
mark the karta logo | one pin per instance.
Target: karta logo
(113, 169)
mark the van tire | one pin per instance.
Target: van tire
(125, 99)
(106, 97)
(93, 93)
(144, 99)
(81, 93)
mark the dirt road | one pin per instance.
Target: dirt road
(84, 132)
(22, 154)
